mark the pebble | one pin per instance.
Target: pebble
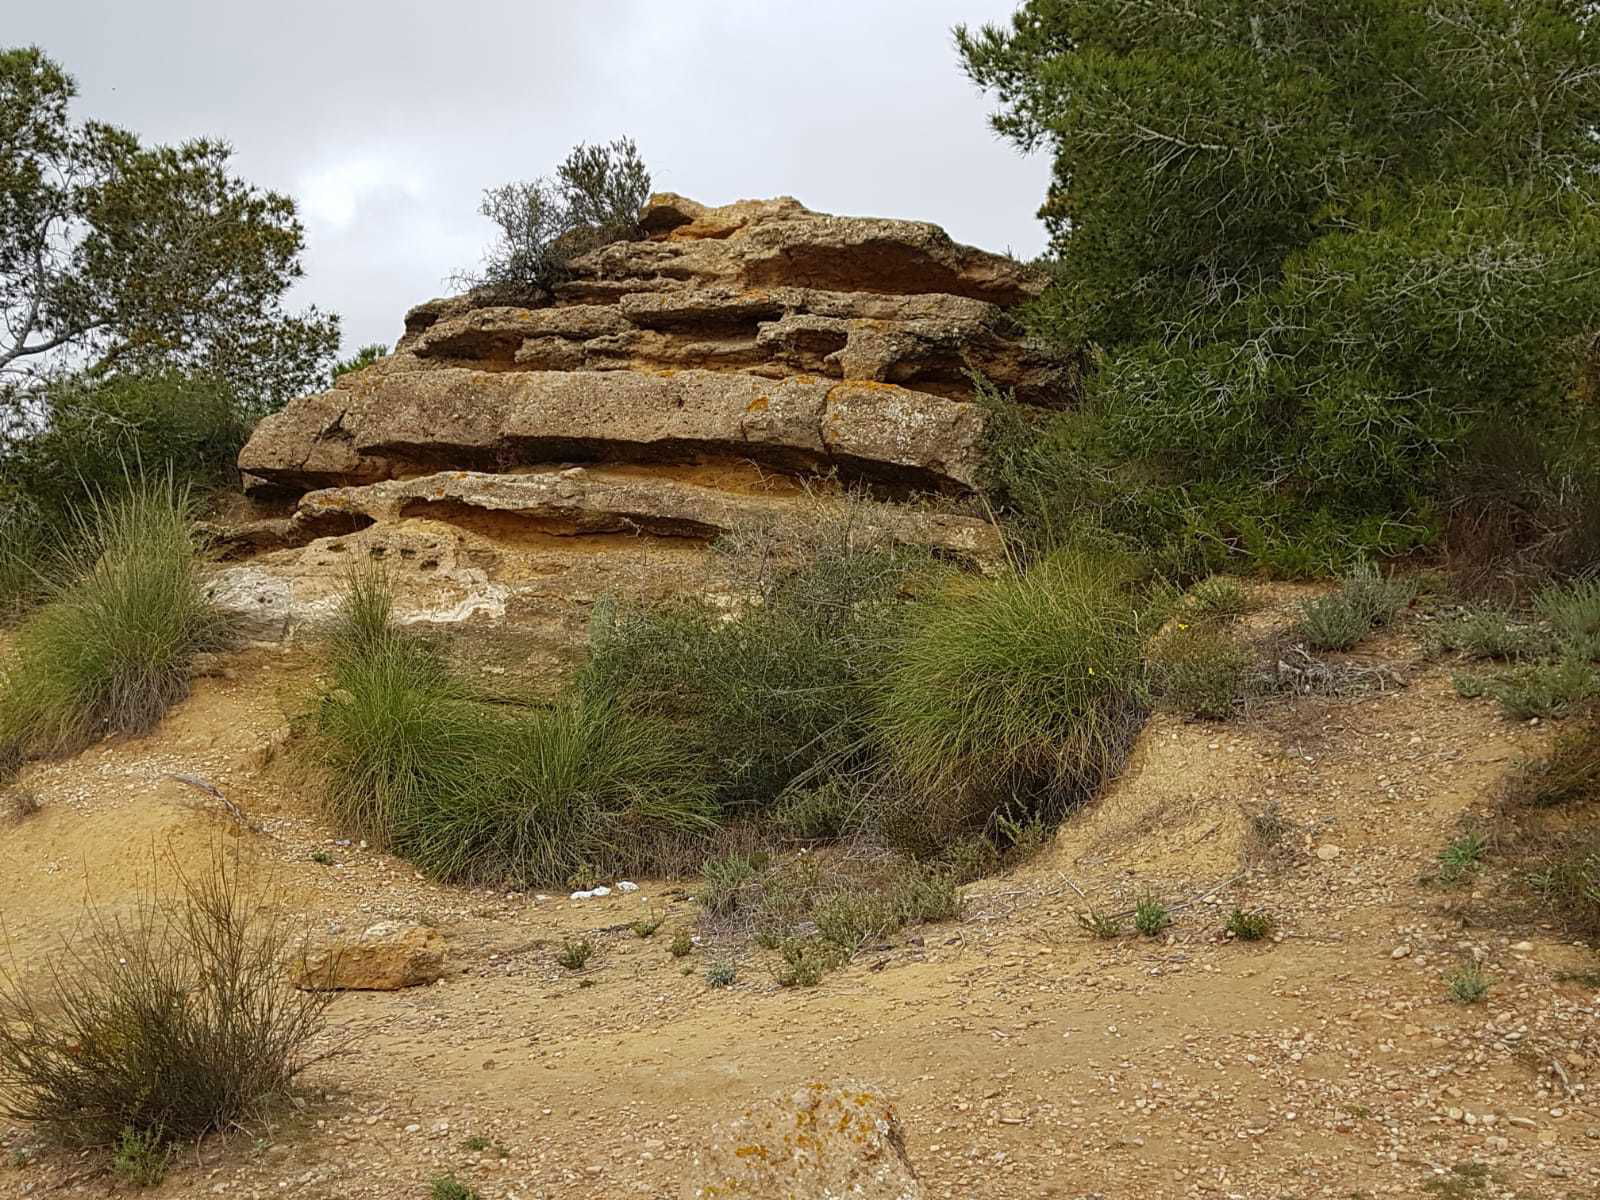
(1329, 852)
(1400, 952)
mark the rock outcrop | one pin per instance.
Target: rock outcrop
(384, 957)
(737, 364)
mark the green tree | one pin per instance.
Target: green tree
(116, 257)
(1318, 250)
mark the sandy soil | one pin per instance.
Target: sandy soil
(1027, 1058)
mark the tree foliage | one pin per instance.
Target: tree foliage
(116, 256)
(593, 200)
(1317, 249)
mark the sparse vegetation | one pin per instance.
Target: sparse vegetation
(178, 1022)
(1250, 926)
(1102, 925)
(1543, 689)
(1491, 634)
(1150, 916)
(1573, 612)
(1461, 858)
(806, 961)
(1219, 598)
(447, 1187)
(722, 972)
(1565, 874)
(1467, 983)
(646, 926)
(322, 858)
(681, 945)
(1200, 670)
(140, 1158)
(1569, 774)
(111, 648)
(1365, 600)
(575, 953)
(594, 199)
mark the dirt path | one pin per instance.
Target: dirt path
(1027, 1059)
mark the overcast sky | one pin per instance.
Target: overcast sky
(386, 119)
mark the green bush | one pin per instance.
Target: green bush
(1366, 600)
(1015, 696)
(776, 696)
(181, 1021)
(1544, 689)
(96, 440)
(1199, 670)
(1220, 599)
(111, 648)
(1573, 612)
(475, 791)
(1492, 634)
(1311, 256)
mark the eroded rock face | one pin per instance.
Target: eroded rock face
(672, 390)
(821, 1141)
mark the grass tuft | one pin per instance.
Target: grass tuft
(723, 972)
(1573, 612)
(448, 1187)
(681, 945)
(140, 1159)
(646, 926)
(477, 792)
(1461, 858)
(1019, 694)
(1220, 599)
(110, 649)
(1467, 984)
(1102, 925)
(574, 953)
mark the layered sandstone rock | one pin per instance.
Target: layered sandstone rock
(673, 389)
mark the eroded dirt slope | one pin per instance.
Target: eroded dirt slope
(1027, 1058)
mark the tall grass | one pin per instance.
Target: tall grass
(1014, 696)
(1573, 611)
(475, 791)
(111, 647)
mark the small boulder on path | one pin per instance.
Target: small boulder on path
(384, 957)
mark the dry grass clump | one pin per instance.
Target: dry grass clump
(110, 649)
(1555, 840)
(176, 1022)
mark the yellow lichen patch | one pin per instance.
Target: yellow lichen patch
(759, 404)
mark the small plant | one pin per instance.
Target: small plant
(1544, 689)
(575, 953)
(1251, 926)
(447, 1187)
(646, 926)
(19, 805)
(1461, 858)
(722, 973)
(322, 858)
(1469, 686)
(1569, 773)
(806, 961)
(1573, 612)
(1101, 925)
(681, 944)
(1220, 599)
(1199, 670)
(1366, 600)
(1467, 983)
(1567, 879)
(476, 1144)
(1150, 916)
(1492, 634)
(725, 878)
(140, 1159)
